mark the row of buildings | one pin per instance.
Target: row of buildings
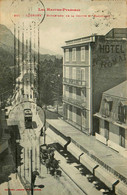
(95, 86)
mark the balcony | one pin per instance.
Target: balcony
(74, 82)
(113, 117)
(77, 103)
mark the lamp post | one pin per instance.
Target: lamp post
(31, 160)
(44, 126)
(58, 76)
(43, 129)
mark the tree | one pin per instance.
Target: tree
(50, 83)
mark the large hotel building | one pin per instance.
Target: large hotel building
(91, 66)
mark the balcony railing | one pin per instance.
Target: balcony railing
(74, 82)
(114, 116)
(78, 103)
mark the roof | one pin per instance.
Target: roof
(115, 33)
(119, 90)
(79, 41)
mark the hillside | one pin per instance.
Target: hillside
(51, 66)
(7, 44)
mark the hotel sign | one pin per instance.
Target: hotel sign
(110, 55)
(111, 49)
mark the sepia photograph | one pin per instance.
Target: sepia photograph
(63, 97)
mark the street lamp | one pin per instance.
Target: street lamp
(58, 92)
(43, 129)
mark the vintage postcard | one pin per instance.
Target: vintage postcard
(63, 97)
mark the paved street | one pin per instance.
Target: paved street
(30, 140)
(26, 151)
(72, 182)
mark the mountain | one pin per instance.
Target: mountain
(6, 39)
(50, 67)
(7, 44)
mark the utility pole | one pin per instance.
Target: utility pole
(44, 135)
(44, 126)
(43, 129)
(58, 76)
(16, 159)
(24, 163)
(31, 172)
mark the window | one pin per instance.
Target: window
(70, 108)
(67, 88)
(78, 91)
(122, 112)
(78, 111)
(74, 73)
(122, 136)
(74, 90)
(70, 89)
(83, 74)
(74, 54)
(70, 72)
(84, 92)
(106, 126)
(78, 74)
(82, 53)
(84, 113)
(67, 55)
(67, 72)
(107, 106)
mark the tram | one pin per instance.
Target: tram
(28, 118)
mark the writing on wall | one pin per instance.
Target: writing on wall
(110, 55)
(111, 48)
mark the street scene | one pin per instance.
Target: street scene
(63, 115)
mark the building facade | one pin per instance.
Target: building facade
(113, 118)
(91, 66)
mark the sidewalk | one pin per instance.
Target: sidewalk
(73, 173)
(71, 181)
(103, 155)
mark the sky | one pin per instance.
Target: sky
(54, 31)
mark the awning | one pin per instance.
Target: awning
(74, 150)
(105, 177)
(61, 141)
(57, 138)
(88, 162)
(121, 189)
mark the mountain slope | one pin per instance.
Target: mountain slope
(7, 43)
(6, 39)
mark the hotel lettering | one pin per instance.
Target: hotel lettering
(116, 52)
(111, 49)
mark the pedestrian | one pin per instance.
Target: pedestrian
(34, 175)
(51, 155)
(47, 162)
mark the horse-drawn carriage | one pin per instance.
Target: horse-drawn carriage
(47, 158)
